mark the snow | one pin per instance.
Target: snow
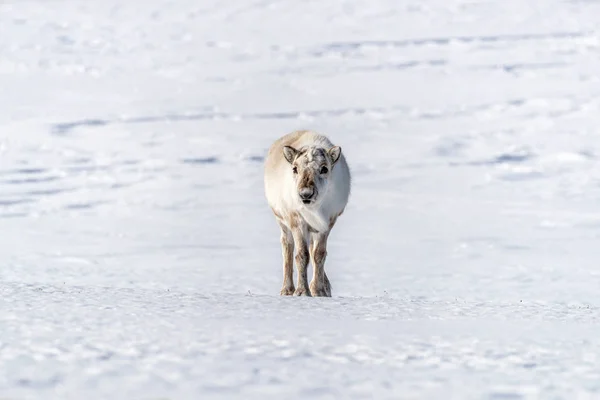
(138, 256)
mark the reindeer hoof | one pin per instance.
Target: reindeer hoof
(287, 291)
(319, 291)
(302, 292)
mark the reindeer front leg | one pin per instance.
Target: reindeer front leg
(287, 249)
(319, 286)
(300, 233)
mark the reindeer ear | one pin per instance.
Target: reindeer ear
(335, 152)
(289, 153)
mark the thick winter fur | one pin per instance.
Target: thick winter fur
(307, 185)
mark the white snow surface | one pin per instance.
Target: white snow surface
(139, 259)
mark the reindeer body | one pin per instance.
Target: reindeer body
(307, 185)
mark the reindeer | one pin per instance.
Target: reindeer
(307, 185)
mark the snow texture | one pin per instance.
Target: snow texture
(138, 257)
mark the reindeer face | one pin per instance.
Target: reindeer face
(311, 168)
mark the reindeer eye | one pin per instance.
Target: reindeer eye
(324, 170)
(295, 170)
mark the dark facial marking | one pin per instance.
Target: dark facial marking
(305, 181)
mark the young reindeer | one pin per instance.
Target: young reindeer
(307, 185)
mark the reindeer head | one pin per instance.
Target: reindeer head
(311, 168)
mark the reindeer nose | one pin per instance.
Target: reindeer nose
(306, 193)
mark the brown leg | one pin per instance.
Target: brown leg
(287, 249)
(319, 286)
(302, 258)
